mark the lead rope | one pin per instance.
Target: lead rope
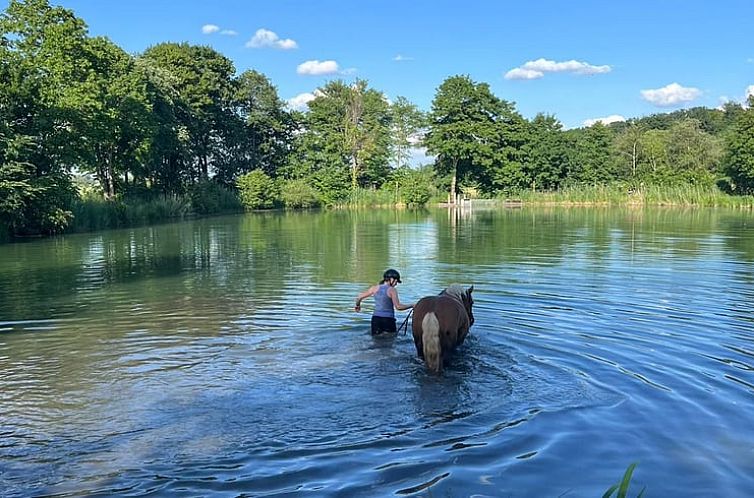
(404, 325)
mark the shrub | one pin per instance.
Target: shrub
(208, 197)
(416, 192)
(256, 190)
(411, 186)
(298, 194)
(333, 186)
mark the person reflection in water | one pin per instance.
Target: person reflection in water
(386, 301)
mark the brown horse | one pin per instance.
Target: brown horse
(441, 323)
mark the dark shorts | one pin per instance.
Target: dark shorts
(382, 324)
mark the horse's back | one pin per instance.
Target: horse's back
(451, 316)
(449, 311)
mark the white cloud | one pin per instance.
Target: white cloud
(209, 29)
(523, 74)
(572, 66)
(613, 118)
(317, 68)
(671, 94)
(266, 38)
(286, 44)
(301, 101)
(401, 58)
(536, 69)
(749, 91)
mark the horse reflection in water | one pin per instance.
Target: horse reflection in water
(441, 324)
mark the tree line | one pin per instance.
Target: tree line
(178, 121)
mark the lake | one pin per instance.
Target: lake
(222, 356)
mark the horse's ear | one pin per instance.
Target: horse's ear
(470, 290)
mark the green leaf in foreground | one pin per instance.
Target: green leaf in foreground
(622, 486)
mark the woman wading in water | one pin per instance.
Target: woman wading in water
(386, 301)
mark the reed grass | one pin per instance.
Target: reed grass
(363, 198)
(621, 488)
(93, 213)
(650, 195)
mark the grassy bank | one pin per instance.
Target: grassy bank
(98, 214)
(95, 213)
(683, 195)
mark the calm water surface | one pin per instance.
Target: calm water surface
(221, 357)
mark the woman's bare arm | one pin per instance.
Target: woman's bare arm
(367, 293)
(397, 302)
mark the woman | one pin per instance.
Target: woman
(386, 301)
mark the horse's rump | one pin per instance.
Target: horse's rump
(452, 325)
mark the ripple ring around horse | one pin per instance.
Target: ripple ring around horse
(441, 324)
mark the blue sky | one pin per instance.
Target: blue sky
(577, 60)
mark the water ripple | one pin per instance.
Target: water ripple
(221, 357)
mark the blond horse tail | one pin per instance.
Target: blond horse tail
(431, 342)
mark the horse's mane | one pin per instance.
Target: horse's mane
(457, 291)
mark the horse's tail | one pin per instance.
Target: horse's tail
(431, 342)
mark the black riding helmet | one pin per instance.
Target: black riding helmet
(392, 274)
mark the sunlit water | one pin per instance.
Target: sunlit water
(221, 357)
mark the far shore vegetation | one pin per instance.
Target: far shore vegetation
(93, 137)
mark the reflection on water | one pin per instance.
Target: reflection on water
(221, 356)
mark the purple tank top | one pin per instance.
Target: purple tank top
(383, 305)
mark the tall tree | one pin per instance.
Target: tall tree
(44, 75)
(166, 165)
(628, 144)
(205, 83)
(545, 154)
(261, 134)
(407, 121)
(118, 124)
(348, 128)
(694, 154)
(366, 133)
(593, 159)
(739, 160)
(469, 131)
(655, 168)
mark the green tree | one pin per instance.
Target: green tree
(694, 154)
(628, 145)
(545, 154)
(345, 136)
(407, 121)
(739, 160)
(655, 168)
(40, 56)
(472, 133)
(592, 157)
(204, 81)
(261, 134)
(366, 133)
(166, 164)
(117, 122)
